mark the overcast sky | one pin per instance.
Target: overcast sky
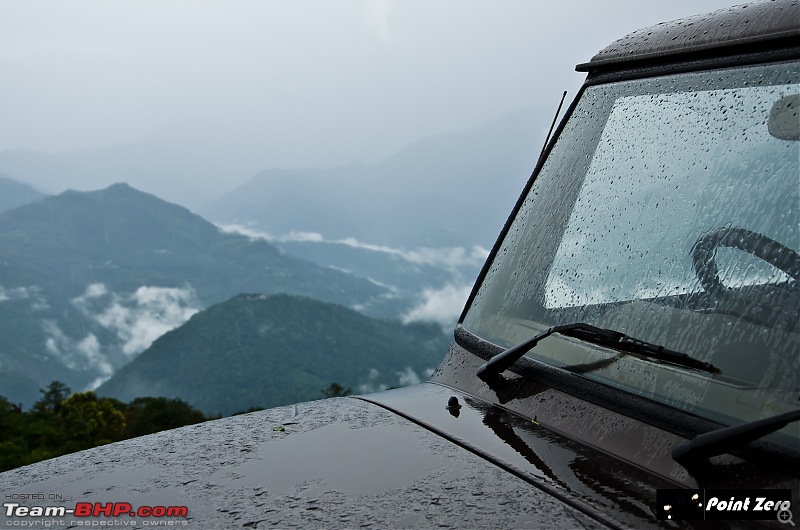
(344, 80)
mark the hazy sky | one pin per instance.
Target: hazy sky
(326, 81)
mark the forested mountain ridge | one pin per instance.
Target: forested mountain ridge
(128, 238)
(263, 351)
(89, 279)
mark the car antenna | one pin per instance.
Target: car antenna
(564, 95)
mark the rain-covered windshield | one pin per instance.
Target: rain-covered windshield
(669, 209)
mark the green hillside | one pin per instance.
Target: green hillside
(264, 351)
(88, 278)
(127, 239)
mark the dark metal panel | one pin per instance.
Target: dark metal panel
(560, 466)
(743, 27)
(583, 409)
(337, 463)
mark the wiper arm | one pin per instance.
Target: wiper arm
(592, 334)
(724, 440)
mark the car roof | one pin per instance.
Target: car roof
(746, 27)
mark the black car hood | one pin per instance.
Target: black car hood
(589, 479)
(337, 463)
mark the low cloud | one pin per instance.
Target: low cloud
(246, 230)
(409, 377)
(58, 344)
(89, 348)
(135, 319)
(95, 290)
(445, 257)
(442, 305)
(83, 354)
(31, 292)
(139, 318)
(312, 237)
(375, 381)
(372, 384)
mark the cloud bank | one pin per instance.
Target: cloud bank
(139, 318)
(31, 292)
(375, 381)
(83, 354)
(442, 306)
(444, 257)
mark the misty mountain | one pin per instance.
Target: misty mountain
(264, 351)
(14, 193)
(125, 238)
(435, 282)
(89, 279)
(195, 162)
(419, 223)
(405, 273)
(445, 191)
(188, 163)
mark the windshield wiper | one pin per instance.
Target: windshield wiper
(592, 334)
(704, 446)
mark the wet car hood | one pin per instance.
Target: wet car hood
(350, 462)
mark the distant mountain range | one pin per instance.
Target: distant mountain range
(446, 191)
(14, 193)
(190, 164)
(89, 279)
(125, 239)
(420, 222)
(263, 351)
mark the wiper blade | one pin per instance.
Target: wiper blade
(724, 440)
(592, 334)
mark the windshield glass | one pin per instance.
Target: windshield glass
(668, 209)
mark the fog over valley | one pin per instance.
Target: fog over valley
(192, 188)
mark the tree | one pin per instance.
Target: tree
(88, 421)
(336, 390)
(12, 443)
(52, 397)
(147, 415)
(11, 419)
(59, 425)
(44, 434)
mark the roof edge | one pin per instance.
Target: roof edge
(711, 33)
